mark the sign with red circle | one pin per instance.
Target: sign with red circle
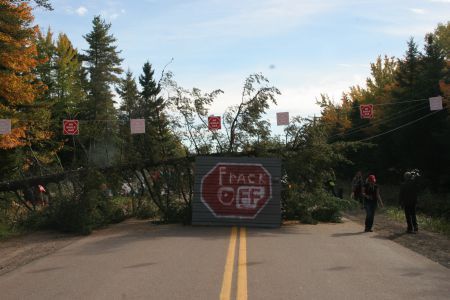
(214, 123)
(366, 111)
(236, 190)
(71, 127)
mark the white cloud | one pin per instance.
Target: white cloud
(111, 14)
(239, 20)
(418, 11)
(81, 11)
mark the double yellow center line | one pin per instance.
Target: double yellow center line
(227, 282)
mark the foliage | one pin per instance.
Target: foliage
(19, 87)
(103, 66)
(244, 121)
(425, 221)
(404, 133)
(313, 207)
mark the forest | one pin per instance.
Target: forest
(105, 173)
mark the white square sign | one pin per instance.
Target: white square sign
(436, 103)
(5, 126)
(283, 118)
(137, 126)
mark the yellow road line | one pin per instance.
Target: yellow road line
(225, 293)
(242, 267)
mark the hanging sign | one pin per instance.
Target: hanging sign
(137, 126)
(283, 118)
(214, 123)
(5, 126)
(71, 127)
(366, 111)
(436, 103)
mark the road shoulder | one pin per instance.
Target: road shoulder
(429, 244)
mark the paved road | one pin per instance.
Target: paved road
(137, 260)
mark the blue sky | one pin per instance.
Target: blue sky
(313, 47)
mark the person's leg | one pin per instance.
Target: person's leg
(370, 213)
(408, 218)
(366, 207)
(414, 219)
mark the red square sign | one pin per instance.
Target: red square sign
(366, 111)
(214, 123)
(71, 127)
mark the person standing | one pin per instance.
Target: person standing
(357, 188)
(408, 200)
(372, 197)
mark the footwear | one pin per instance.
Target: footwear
(409, 231)
(368, 230)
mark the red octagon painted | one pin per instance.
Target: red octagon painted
(233, 190)
(71, 127)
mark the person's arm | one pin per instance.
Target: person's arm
(380, 202)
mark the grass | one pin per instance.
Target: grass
(6, 231)
(433, 224)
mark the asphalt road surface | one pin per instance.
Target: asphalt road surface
(138, 260)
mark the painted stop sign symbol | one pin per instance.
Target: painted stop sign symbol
(236, 190)
(366, 111)
(70, 127)
(214, 123)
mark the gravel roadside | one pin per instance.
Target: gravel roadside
(429, 244)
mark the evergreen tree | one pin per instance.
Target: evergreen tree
(152, 109)
(103, 63)
(103, 66)
(129, 95)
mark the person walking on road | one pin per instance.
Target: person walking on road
(357, 188)
(408, 200)
(371, 194)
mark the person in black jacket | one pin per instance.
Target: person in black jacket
(371, 194)
(357, 188)
(408, 200)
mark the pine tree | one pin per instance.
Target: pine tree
(129, 94)
(103, 65)
(152, 109)
(407, 75)
(151, 104)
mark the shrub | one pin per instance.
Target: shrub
(310, 207)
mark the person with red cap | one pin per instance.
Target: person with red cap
(371, 193)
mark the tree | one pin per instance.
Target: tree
(442, 35)
(19, 86)
(129, 94)
(103, 65)
(69, 96)
(151, 108)
(244, 120)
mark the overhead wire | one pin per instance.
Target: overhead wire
(400, 102)
(397, 115)
(401, 126)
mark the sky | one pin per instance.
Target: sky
(304, 47)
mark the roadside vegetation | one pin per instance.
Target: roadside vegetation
(106, 174)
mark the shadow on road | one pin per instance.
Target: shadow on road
(340, 268)
(140, 265)
(134, 231)
(344, 234)
(46, 270)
